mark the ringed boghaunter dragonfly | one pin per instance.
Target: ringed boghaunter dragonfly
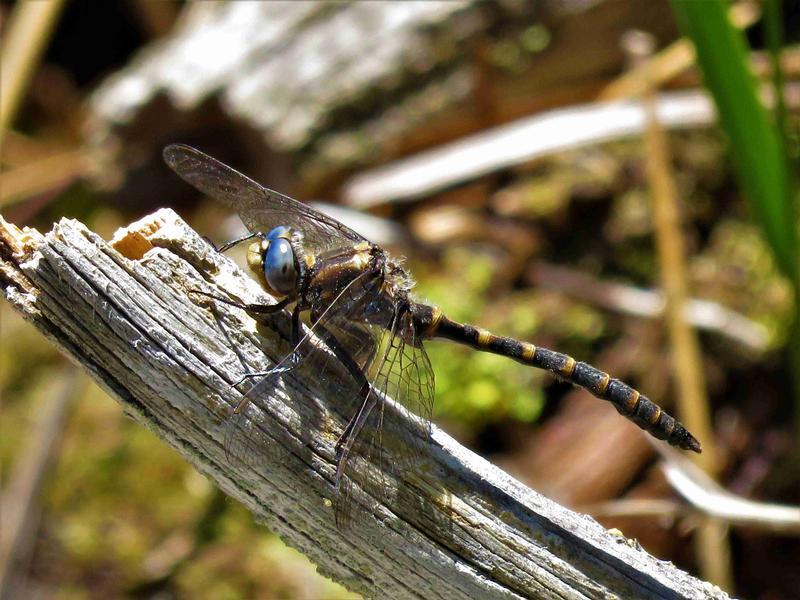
(361, 309)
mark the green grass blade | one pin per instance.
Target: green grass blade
(756, 148)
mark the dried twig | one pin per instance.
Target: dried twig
(708, 497)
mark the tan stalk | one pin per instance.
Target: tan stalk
(26, 35)
(671, 61)
(711, 543)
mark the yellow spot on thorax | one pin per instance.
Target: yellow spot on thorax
(255, 257)
(361, 258)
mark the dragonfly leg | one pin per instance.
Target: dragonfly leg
(232, 243)
(210, 242)
(343, 443)
(348, 438)
(290, 361)
(277, 370)
(259, 309)
(294, 359)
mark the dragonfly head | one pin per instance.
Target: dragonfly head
(273, 257)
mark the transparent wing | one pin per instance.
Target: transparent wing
(386, 437)
(400, 372)
(246, 440)
(261, 209)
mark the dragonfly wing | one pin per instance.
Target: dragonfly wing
(400, 374)
(245, 436)
(385, 437)
(261, 209)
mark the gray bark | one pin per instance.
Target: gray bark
(457, 528)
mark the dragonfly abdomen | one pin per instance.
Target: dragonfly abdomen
(628, 402)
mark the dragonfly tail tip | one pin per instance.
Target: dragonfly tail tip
(694, 445)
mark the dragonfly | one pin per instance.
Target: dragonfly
(363, 315)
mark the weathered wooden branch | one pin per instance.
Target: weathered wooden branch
(459, 528)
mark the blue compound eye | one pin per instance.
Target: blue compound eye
(279, 269)
(281, 231)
